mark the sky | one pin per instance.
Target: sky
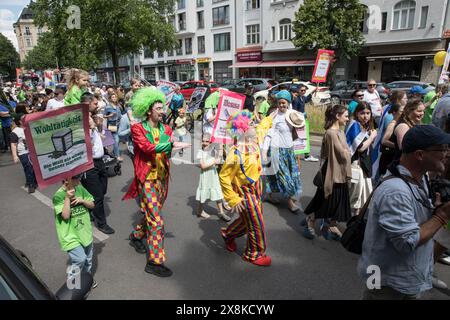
(9, 14)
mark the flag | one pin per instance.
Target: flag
(376, 153)
(355, 136)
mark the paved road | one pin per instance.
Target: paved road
(302, 269)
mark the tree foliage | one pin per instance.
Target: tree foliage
(109, 28)
(9, 58)
(330, 24)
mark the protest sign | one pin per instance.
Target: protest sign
(196, 99)
(49, 79)
(445, 74)
(323, 63)
(59, 143)
(229, 103)
(168, 88)
(18, 77)
(302, 145)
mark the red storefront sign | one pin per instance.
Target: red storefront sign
(249, 56)
(188, 61)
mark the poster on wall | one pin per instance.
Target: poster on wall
(59, 143)
(445, 74)
(229, 103)
(322, 66)
(302, 145)
(168, 88)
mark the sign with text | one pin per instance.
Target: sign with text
(196, 99)
(168, 88)
(49, 78)
(18, 77)
(445, 74)
(323, 63)
(59, 143)
(302, 144)
(229, 103)
(249, 56)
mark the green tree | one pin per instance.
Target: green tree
(330, 24)
(9, 58)
(109, 28)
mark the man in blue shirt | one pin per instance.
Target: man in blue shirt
(6, 120)
(397, 253)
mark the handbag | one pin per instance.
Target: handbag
(112, 128)
(353, 237)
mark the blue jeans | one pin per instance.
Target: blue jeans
(28, 170)
(81, 258)
(116, 144)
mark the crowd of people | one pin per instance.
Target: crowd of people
(365, 142)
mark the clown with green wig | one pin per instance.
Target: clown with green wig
(153, 145)
(240, 179)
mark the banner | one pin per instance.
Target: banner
(59, 143)
(445, 74)
(196, 99)
(323, 63)
(229, 103)
(302, 145)
(168, 88)
(49, 79)
(19, 77)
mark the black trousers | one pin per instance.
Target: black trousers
(96, 182)
(6, 136)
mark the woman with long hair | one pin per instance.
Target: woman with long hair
(113, 115)
(332, 200)
(77, 81)
(360, 135)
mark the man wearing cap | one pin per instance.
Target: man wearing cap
(441, 110)
(402, 220)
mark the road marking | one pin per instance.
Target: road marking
(100, 236)
(178, 160)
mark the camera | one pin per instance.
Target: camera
(441, 186)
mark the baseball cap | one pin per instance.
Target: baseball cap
(417, 90)
(422, 137)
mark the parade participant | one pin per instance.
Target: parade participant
(175, 105)
(360, 137)
(241, 186)
(113, 115)
(95, 180)
(261, 109)
(430, 100)
(387, 145)
(402, 219)
(249, 103)
(153, 145)
(209, 184)
(303, 100)
(332, 200)
(278, 145)
(442, 109)
(135, 86)
(209, 118)
(372, 97)
(357, 96)
(77, 80)
(180, 127)
(73, 226)
(58, 101)
(20, 153)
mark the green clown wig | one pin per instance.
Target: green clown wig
(144, 99)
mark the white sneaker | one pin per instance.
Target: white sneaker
(203, 215)
(445, 260)
(311, 159)
(438, 284)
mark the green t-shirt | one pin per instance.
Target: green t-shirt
(73, 96)
(78, 229)
(263, 108)
(429, 111)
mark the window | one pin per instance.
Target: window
(383, 21)
(423, 17)
(27, 31)
(180, 47)
(200, 20)
(252, 4)
(40, 31)
(162, 72)
(253, 34)
(182, 21)
(188, 45)
(148, 54)
(285, 29)
(29, 43)
(221, 15)
(160, 54)
(222, 42)
(201, 44)
(365, 20)
(199, 3)
(150, 74)
(404, 12)
(170, 53)
(181, 4)
(273, 35)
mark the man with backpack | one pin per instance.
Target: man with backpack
(397, 252)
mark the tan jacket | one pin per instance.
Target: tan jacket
(335, 149)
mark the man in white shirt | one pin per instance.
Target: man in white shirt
(372, 98)
(58, 101)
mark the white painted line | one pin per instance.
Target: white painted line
(100, 236)
(178, 160)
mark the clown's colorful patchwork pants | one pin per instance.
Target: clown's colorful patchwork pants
(152, 195)
(250, 222)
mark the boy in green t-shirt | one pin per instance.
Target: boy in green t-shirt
(73, 224)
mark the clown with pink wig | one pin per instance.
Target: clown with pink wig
(241, 187)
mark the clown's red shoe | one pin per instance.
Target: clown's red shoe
(229, 244)
(263, 261)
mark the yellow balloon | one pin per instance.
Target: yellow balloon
(439, 58)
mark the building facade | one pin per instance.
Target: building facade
(27, 32)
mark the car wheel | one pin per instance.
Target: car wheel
(335, 100)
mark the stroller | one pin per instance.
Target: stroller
(113, 166)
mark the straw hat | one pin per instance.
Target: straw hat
(295, 118)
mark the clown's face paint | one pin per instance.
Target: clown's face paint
(155, 114)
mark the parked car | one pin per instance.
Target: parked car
(407, 85)
(321, 97)
(188, 88)
(343, 90)
(258, 83)
(18, 280)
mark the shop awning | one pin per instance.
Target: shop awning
(268, 64)
(400, 57)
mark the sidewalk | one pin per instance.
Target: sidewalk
(316, 139)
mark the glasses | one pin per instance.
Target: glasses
(372, 85)
(302, 90)
(360, 95)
